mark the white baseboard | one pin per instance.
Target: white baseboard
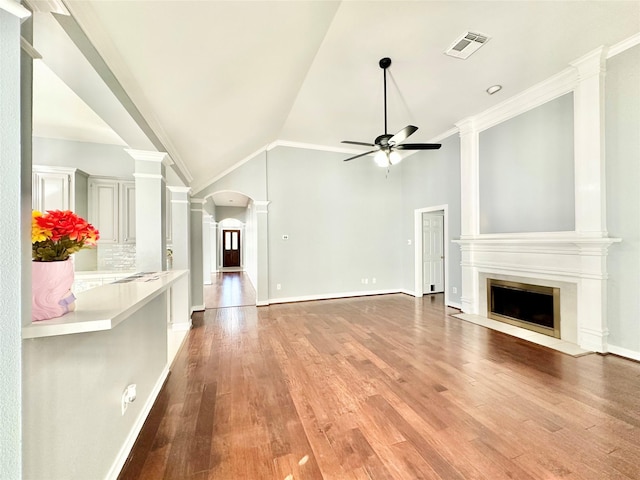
(455, 305)
(263, 303)
(181, 326)
(331, 296)
(197, 308)
(624, 352)
(123, 454)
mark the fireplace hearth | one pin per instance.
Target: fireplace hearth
(533, 307)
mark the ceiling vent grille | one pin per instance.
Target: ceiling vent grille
(466, 44)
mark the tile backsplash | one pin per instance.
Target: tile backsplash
(117, 256)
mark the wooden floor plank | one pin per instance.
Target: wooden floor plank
(383, 387)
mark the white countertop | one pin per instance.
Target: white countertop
(102, 308)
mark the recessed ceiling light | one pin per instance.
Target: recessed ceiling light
(494, 89)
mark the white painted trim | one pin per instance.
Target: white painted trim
(149, 156)
(455, 305)
(444, 135)
(15, 9)
(29, 49)
(181, 326)
(626, 44)
(123, 454)
(197, 308)
(417, 232)
(624, 352)
(541, 93)
(198, 187)
(176, 189)
(310, 146)
(156, 176)
(331, 296)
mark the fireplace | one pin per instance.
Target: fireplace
(533, 307)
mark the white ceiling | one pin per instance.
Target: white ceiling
(219, 80)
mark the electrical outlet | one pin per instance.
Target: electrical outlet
(373, 280)
(366, 281)
(408, 242)
(454, 290)
(278, 286)
(128, 396)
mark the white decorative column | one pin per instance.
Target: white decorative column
(196, 245)
(214, 246)
(180, 229)
(262, 254)
(15, 238)
(151, 236)
(588, 101)
(469, 210)
(590, 196)
(206, 249)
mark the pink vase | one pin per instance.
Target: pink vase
(51, 289)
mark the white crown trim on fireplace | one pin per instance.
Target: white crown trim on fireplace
(573, 258)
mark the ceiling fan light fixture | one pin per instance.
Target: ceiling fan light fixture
(381, 158)
(394, 157)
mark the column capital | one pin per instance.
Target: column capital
(149, 156)
(593, 63)
(466, 126)
(176, 189)
(15, 9)
(262, 206)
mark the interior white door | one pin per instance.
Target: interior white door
(432, 253)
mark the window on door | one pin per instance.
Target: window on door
(231, 248)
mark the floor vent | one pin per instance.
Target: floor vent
(466, 44)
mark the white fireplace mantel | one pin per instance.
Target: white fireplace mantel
(575, 259)
(561, 257)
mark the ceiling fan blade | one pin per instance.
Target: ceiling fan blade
(418, 146)
(361, 155)
(402, 135)
(358, 143)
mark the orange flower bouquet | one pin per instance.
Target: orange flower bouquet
(57, 234)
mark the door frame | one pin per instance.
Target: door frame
(220, 246)
(417, 231)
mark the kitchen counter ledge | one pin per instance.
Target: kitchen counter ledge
(103, 308)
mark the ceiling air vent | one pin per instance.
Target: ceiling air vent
(466, 44)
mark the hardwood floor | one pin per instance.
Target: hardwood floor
(384, 387)
(229, 289)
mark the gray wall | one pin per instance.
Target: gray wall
(527, 172)
(622, 116)
(14, 263)
(343, 221)
(73, 425)
(237, 213)
(249, 178)
(93, 158)
(432, 178)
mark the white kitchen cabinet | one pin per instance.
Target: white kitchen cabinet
(59, 188)
(112, 209)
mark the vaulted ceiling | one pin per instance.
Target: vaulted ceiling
(217, 81)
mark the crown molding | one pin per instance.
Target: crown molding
(626, 44)
(15, 9)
